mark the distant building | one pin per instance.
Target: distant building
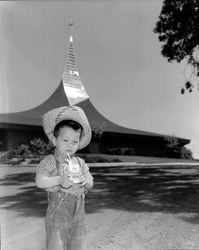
(21, 127)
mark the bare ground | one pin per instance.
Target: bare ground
(130, 208)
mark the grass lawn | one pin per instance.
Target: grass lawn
(138, 159)
(92, 158)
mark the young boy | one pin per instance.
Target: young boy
(66, 178)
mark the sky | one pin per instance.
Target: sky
(118, 57)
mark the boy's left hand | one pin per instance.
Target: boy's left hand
(82, 181)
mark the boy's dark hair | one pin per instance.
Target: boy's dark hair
(69, 123)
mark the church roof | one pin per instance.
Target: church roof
(71, 92)
(33, 117)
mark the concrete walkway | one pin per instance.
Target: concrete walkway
(131, 207)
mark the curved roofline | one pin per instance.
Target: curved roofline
(33, 117)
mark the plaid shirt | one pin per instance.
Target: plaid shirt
(48, 168)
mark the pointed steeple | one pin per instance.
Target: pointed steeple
(73, 85)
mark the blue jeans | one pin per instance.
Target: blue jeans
(65, 222)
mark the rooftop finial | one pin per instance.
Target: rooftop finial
(71, 23)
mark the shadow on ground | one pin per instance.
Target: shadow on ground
(149, 189)
(23, 196)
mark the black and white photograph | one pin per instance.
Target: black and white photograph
(99, 125)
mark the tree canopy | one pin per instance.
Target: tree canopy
(178, 31)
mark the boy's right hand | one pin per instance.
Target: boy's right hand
(65, 182)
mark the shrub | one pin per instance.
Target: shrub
(8, 155)
(40, 147)
(186, 153)
(36, 147)
(94, 159)
(22, 151)
(174, 150)
(129, 151)
(121, 151)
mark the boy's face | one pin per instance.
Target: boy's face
(67, 140)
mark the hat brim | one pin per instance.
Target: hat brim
(75, 113)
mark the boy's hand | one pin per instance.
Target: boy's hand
(65, 182)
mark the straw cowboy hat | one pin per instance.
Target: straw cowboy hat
(53, 117)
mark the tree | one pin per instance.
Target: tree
(98, 130)
(97, 133)
(178, 30)
(172, 149)
(186, 153)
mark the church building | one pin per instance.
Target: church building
(21, 127)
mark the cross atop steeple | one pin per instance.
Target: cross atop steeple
(71, 30)
(73, 85)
